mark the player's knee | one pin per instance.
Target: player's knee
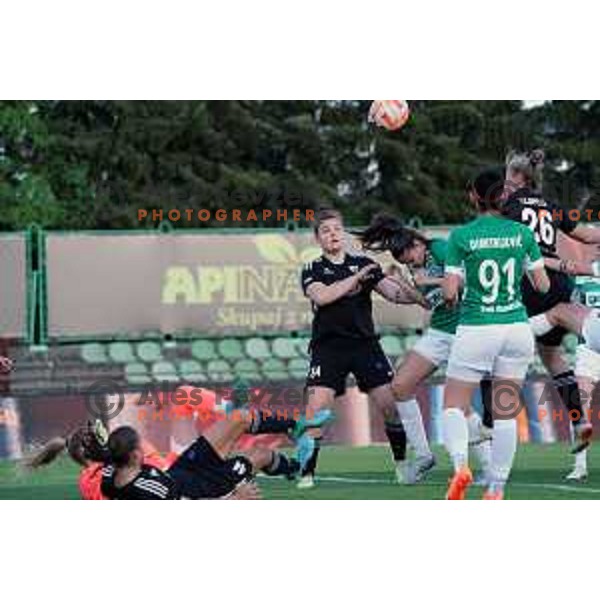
(402, 389)
(259, 458)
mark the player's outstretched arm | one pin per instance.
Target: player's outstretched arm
(574, 267)
(322, 294)
(586, 234)
(539, 280)
(451, 288)
(399, 291)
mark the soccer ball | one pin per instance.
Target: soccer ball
(389, 114)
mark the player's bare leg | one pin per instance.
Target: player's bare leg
(579, 474)
(383, 397)
(224, 435)
(582, 321)
(414, 370)
(457, 403)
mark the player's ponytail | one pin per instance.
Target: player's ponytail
(83, 446)
(47, 453)
(530, 165)
(387, 233)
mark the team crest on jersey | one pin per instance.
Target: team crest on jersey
(327, 271)
(314, 372)
(354, 268)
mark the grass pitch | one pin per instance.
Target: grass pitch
(356, 474)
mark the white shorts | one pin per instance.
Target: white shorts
(587, 363)
(496, 350)
(434, 345)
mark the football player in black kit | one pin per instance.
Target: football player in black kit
(206, 469)
(344, 341)
(525, 203)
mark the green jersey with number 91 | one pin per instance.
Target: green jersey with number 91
(492, 254)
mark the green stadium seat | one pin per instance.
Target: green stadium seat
(165, 371)
(149, 351)
(285, 347)
(204, 350)
(219, 371)
(137, 373)
(121, 352)
(231, 349)
(274, 369)
(247, 369)
(408, 341)
(94, 354)
(298, 368)
(392, 346)
(258, 348)
(192, 372)
(303, 344)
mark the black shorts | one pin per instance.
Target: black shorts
(202, 473)
(333, 360)
(561, 290)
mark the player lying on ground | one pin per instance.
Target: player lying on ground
(585, 323)
(525, 203)
(426, 258)
(206, 469)
(6, 364)
(487, 258)
(344, 341)
(87, 447)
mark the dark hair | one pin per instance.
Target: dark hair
(324, 214)
(488, 186)
(82, 445)
(121, 443)
(387, 233)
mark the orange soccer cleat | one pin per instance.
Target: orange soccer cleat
(499, 495)
(459, 484)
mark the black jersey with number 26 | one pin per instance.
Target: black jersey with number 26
(544, 218)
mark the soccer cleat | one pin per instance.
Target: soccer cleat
(305, 447)
(306, 482)
(320, 418)
(499, 495)
(577, 476)
(415, 471)
(459, 484)
(583, 437)
(294, 471)
(401, 472)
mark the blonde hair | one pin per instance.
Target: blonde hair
(530, 165)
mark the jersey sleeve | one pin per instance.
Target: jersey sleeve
(535, 260)
(90, 481)
(439, 251)
(310, 274)
(455, 255)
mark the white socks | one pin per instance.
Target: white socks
(456, 437)
(481, 447)
(411, 417)
(590, 330)
(504, 447)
